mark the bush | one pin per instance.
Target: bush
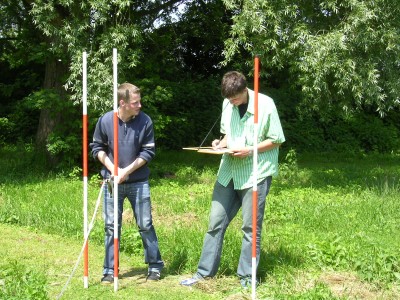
(182, 112)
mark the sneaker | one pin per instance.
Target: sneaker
(245, 282)
(153, 275)
(191, 281)
(107, 279)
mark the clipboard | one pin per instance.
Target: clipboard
(218, 151)
(209, 150)
(195, 148)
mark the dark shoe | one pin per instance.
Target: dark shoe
(246, 283)
(107, 279)
(153, 275)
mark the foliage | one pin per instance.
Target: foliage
(181, 48)
(182, 112)
(66, 138)
(6, 128)
(361, 131)
(341, 54)
(72, 27)
(18, 282)
(381, 263)
(328, 65)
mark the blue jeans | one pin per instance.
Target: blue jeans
(226, 202)
(138, 194)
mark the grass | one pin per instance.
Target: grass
(330, 231)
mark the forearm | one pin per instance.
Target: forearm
(106, 161)
(266, 146)
(137, 163)
(123, 174)
(263, 146)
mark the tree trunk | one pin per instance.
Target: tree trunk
(51, 115)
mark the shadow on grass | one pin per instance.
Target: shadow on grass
(278, 258)
(134, 272)
(269, 261)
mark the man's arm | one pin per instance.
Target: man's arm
(146, 154)
(124, 173)
(105, 160)
(264, 146)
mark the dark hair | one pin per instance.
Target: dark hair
(233, 83)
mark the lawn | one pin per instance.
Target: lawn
(330, 231)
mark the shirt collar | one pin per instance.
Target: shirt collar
(250, 107)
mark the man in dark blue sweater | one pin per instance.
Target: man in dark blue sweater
(136, 149)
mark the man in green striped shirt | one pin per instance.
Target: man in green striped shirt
(233, 188)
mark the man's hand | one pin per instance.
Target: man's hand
(218, 144)
(242, 152)
(122, 175)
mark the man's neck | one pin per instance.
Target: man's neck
(123, 116)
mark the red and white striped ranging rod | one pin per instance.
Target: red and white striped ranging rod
(85, 171)
(255, 172)
(115, 192)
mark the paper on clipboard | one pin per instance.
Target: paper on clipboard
(195, 148)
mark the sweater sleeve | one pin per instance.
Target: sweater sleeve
(100, 139)
(147, 149)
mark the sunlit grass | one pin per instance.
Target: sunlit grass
(327, 215)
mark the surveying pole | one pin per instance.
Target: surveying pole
(115, 191)
(255, 172)
(85, 172)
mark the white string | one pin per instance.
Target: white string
(84, 243)
(201, 144)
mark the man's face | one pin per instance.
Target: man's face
(239, 99)
(134, 105)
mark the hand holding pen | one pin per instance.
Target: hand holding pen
(219, 143)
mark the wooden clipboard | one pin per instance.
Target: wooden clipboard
(218, 152)
(209, 150)
(196, 148)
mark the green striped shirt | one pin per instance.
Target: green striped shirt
(240, 133)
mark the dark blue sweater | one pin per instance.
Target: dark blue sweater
(135, 139)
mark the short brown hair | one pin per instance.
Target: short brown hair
(125, 90)
(233, 83)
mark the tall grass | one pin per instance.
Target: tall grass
(325, 213)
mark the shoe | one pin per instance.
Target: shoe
(153, 275)
(191, 281)
(107, 279)
(245, 282)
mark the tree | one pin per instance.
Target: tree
(21, 71)
(339, 53)
(187, 45)
(56, 32)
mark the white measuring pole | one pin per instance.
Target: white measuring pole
(85, 171)
(255, 172)
(115, 192)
